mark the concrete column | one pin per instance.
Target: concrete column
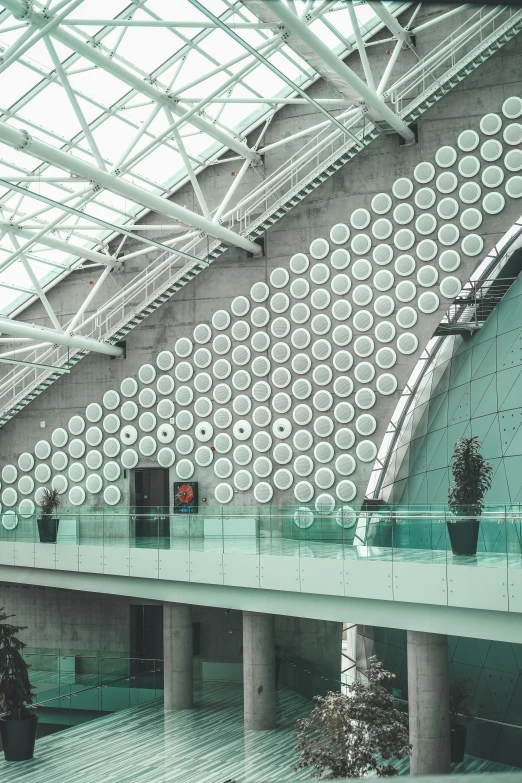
(177, 654)
(428, 703)
(259, 670)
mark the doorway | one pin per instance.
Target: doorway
(151, 497)
(146, 642)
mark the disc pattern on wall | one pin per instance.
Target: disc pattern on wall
(245, 382)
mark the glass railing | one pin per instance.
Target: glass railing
(383, 532)
(72, 688)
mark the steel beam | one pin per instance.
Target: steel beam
(20, 329)
(134, 80)
(280, 74)
(114, 228)
(60, 244)
(199, 25)
(60, 370)
(391, 22)
(334, 64)
(21, 140)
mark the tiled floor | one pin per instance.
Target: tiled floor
(320, 549)
(293, 547)
(204, 745)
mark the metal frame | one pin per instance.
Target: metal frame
(89, 176)
(464, 317)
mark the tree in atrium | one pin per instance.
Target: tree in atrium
(18, 723)
(472, 477)
(351, 735)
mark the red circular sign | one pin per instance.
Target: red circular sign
(185, 493)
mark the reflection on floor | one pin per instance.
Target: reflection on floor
(204, 745)
(295, 547)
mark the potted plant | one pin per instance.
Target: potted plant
(18, 722)
(48, 524)
(472, 477)
(460, 703)
(350, 735)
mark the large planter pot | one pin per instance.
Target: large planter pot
(18, 738)
(464, 536)
(458, 736)
(48, 530)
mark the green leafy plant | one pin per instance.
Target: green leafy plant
(16, 692)
(460, 702)
(472, 477)
(49, 501)
(348, 736)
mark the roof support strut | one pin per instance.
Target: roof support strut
(21, 140)
(333, 62)
(136, 82)
(59, 244)
(18, 329)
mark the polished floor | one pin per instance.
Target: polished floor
(294, 547)
(204, 745)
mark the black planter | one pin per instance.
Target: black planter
(458, 736)
(464, 536)
(18, 738)
(48, 530)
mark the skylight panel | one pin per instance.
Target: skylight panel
(98, 210)
(340, 20)
(15, 82)
(153, 163)
(236, 113)
(196, 67)
(17, 157)
(112, 137)
(222, 46)
(265, 81)
(159, 164)
(284, 65)
(53, 111)
(325, 34)
(120, 204)
(183, 10)
(99, 85)
(148, 47)
(99, 9)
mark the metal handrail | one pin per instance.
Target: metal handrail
(384, 462)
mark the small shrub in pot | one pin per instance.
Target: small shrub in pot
(48, 524)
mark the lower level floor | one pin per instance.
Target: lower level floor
(207, 744)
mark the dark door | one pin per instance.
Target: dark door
(151, 492)
(146, 624)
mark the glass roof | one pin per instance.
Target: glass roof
(64, 99)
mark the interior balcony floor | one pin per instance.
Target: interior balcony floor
(205, 745)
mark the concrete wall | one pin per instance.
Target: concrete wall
(372, 171)
(477, 394)
(495, 681)
(68, 622)
(316, 640)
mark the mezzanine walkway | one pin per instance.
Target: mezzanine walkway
(205, 745)
(411, 579)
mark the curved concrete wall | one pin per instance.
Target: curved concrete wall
(479, 393)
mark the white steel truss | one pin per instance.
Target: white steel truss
(140, 105)
(56, 51)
